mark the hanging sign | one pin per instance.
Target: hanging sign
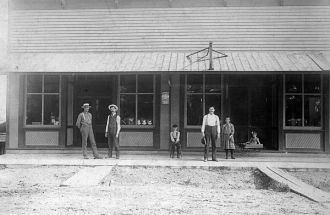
(165, 98)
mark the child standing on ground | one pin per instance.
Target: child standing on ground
(175, 142)
(228, 132)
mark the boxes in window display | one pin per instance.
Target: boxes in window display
(144, 122)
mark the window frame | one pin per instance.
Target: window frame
(42, 93)
(302, 94)
(186, 93)
(136, 94)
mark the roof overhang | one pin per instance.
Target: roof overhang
(272, 61)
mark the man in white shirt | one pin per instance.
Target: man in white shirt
(211, 132)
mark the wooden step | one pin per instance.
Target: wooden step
(296, 185)
(88, 176)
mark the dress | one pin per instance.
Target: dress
(227, 131)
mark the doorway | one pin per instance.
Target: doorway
(251, 103)
(99, 91)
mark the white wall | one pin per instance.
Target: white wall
(3, 33)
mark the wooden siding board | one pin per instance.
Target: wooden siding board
(171, 30)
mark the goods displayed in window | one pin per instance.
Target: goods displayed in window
(137, 99)
(42, 100)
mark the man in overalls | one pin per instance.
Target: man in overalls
(84, 123)
(112, 130)
(211, 132)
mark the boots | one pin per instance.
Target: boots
(227, 153)
(109, 154)
(232, 153)
(117, 155)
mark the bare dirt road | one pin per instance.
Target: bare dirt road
(36, 190)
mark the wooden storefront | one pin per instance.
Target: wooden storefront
(274, 81)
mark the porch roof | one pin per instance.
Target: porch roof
(272, 61)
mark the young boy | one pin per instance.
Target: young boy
(112, 131)
(175, 142)
(228, 132)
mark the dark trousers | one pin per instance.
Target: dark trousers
(87, 132)
(176, 146)
(211, 137)
(113, 142)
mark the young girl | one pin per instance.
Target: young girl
(175, 142)
(228, 132)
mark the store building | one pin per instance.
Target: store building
(274, 80)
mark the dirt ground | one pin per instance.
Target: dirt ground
(36, 190)
(316, 178)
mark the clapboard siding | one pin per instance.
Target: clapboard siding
(176, 29)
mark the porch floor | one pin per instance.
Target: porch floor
(156, 158)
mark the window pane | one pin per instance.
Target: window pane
(145, 109)
(194, 109)
(293, 83)
(51, 110)
(51, 83)
(312, 83)
(195, 83)
(215, 101)
(212, 84)
(33, 109)
(312, 111)
(293, 111)
(128, 83)
(127, 109)
(145, 83)
(34, 83)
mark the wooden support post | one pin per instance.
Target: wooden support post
(211, 57)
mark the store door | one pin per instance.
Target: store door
(252, 106)
(99, 92)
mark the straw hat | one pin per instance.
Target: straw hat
(86, 105)
(113, 105)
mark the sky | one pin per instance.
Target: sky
(3, 90)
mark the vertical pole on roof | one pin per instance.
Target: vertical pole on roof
(210, 56)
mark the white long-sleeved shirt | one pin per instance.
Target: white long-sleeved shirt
(211, 120)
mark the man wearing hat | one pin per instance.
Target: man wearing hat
(112, 130)
(84, 123)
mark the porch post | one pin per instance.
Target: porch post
(326, 99)
(13, 110)
(164, 112)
